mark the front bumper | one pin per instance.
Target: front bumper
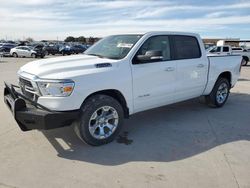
(31, 115)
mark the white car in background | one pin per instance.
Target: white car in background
(228, 50)
(22, 51)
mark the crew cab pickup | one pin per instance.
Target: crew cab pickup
(118, 76)
(228, 50)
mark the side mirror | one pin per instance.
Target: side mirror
(150, 56)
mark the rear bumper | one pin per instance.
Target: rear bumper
(31, 115)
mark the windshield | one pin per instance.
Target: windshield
(113, 47)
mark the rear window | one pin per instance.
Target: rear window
(239, 49)
(186, 47)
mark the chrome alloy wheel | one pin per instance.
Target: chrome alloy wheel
(222, 93)
(103, 122)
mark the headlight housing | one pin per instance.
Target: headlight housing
(56, 88)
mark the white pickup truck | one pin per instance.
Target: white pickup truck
(115, 78)
(228, 50)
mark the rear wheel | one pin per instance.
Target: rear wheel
(244, 61)
(101, 120)
(219, 95)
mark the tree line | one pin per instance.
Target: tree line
(81, 39)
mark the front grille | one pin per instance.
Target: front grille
(27, 88)
(25, 82)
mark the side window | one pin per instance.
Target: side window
(225, 49)
(157, 46)
(186, 47)
(218, 49)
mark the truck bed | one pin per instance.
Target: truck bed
(222, 63)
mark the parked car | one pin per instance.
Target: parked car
(5, 48)
(119, 76)
(65, 50)
(228, 50)
(23, 51)
(39, 49)
(51, 49)
(244, 52)
(77, 49)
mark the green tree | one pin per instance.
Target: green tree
(91, 40)
(70, 39)
(81, 39)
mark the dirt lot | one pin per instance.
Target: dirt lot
(181, 145)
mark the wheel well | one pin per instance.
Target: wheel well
(116, 95)
(226, 75)
(246, 58)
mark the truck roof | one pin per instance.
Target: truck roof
(172, 33)
(162, 33)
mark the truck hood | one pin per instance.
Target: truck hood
(64, 67)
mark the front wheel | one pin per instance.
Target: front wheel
(14, 54)
(219, 95)
(33, 55)
(101, 120)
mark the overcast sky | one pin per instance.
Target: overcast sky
(49, 19)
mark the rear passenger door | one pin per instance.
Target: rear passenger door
(192, 67)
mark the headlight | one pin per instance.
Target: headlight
(56, 88)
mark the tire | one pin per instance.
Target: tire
(219, 95)
(14, 54)
(244, 61)
(93, 127)
(33, 55)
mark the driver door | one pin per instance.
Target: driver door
(153, 81)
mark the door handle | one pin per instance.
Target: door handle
(200, 65)
(168, 69)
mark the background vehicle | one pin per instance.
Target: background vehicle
(244, 52)
(51, 49)
(228, 50)
(118, 76)
(39, 49)
(76, 49)
(22, 51)
(65, 50)
(5, 48)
